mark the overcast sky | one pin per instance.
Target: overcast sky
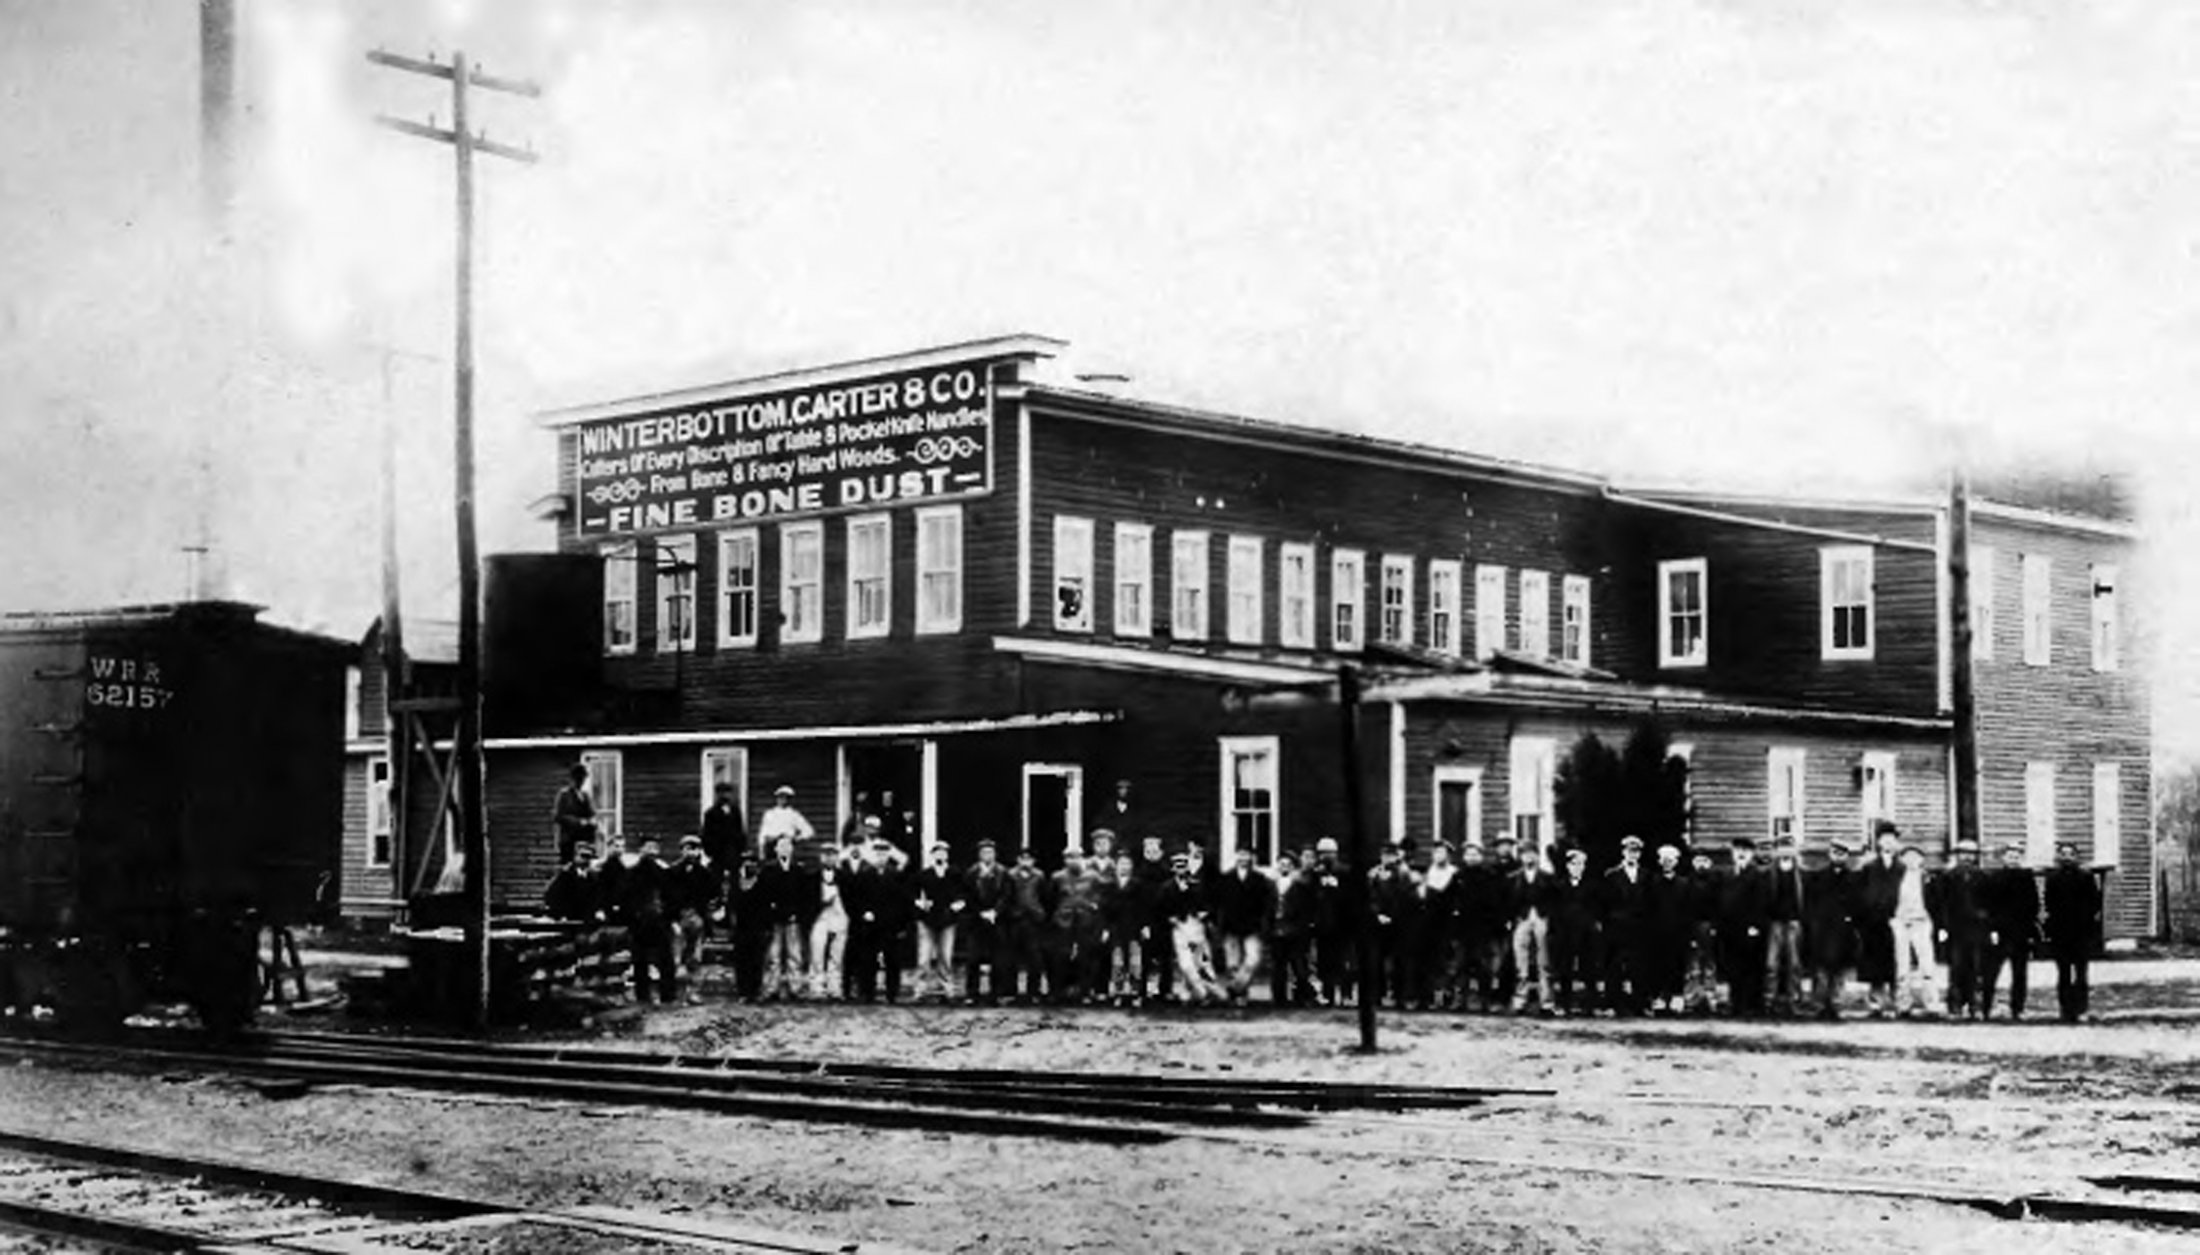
(1784, 244)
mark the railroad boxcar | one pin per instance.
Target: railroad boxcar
(170, 783)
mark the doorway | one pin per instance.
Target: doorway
(1054, 804)
(886, 779)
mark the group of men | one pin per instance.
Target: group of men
(1462, 931)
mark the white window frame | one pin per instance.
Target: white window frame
(1452, 773)
(2107, 653)
(731, 589)
(707, 763)
(861, 628)
(1832, 560)
(2039, 813)
(611, 814)
(1879, 791)
(1245, 570)
(1133, 579)
(1295, 596)
(355, 682)
(2108, 814)
(1535, 760)
(939, 569)
(1397, 576)
(1073, 569)
(1489, 610)
(1347, 589)
(1685, 751)
(1535, 613)
(380, 813)
(2039, 623)
(1445, 605)
(1701, 654)
(1982, 603)
(676, 633)
(1787, 792)
(1573, 631)
(621, 574)
(1191, 557)
(796, 629)
(1230, 749)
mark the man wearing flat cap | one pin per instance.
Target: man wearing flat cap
(781, 819)
(1626, 911)
(2013, 909)
(1966, 927)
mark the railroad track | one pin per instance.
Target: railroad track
(87, 1196)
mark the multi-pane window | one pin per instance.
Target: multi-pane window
(1295, 597)
(1133, 579)
(1188, 586)
(1249, 797)
(1573, 644)
(607, 780)
(737, 587)
(1684, 637)
(870, 575)
(1877, 777)
(940, 569)
(1443, 606)
(1347, 599)
(1535, 614)
(2038, 637)
(1534, 762)
(675, 593)
(1072, 574)
(378, 811)
(354, 685)
(1489, 610)
(2104, 618)
(1396, 625)
(618, 597)
(802, 582)
(1845, 600)
(2108, 832)
(2039, 813)
(726, 764)
(1244, 625)
(1982, 602)
(1784, 794)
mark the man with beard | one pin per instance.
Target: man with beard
(1700, 994)
(1829, 897)
(1876, 885)
(1784, 935)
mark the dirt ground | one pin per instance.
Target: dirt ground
(1663, 1135)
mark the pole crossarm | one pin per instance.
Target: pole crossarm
(474, 77)
(478, 142)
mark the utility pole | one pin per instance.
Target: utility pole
(464, 142)
(1364, 857)
(1962, 691)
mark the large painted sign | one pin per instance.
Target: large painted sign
(906, 438)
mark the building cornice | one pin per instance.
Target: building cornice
(1556, 694)
(848, 731)
(1770, 525)
(1158, 661)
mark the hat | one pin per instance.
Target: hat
(1327, 845)
(986, 843)
(691, 839)
(1669, 848)
(2011, 847)
(1630, 842)
(1839, 845)
(1574, 852)
(1742, 843)
(1506, 839)
(1967, 843)
(1180, 859)
(785, 790)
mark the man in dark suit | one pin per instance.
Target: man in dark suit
(788, 891)
(1745, 922)
(1877, 883)
(1576, 908)
(2073, 900)
(1625, 912)
(2013, 907)
(725, 833)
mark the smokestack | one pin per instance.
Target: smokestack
(217, 112)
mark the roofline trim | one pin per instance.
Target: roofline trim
(1019, 345)
(1450, 689)
(1267, 433)
(1126, 658)
(1774, 525)
(852, 731)
(2029, 517)
(1862, 505)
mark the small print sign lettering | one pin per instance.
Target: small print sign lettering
(897, 439)
(126, 684)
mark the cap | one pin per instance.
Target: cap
(986, 843)
(1506, 840)
(1098, 833)
(785, 790)
(1630, 842)
(1839, 845)
(691, 840)
(2011, 847)
(1669, 848)
(1574, 852)
(1327, 845)
(1742, 843)
(1967, 843)
(1180, 859)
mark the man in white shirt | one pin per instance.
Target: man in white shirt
(781, 819)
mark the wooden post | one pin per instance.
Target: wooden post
(1962, 693)
(1363, 852)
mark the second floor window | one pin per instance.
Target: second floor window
(1295, 594)
(1573, 632)
(1443, 607)
(2038, 579)
(870, 575)
(1133, 579)
(1396, 627)
(675, 593)
(1347, 598)
(1684, 637)
(618, 597)
(939, 569)
(2104, 618)
(1982, 602)
(1845, 598)
(1489, 610)
(1535, 614)
(1072, 574)
(1245, 599)
(1188, 585)
(802, 582)
(737, 576)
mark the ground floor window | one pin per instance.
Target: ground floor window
(2108, 794)
(1249, 797)
(1784, 795)
(1456, 794)
(725, 764)
(607, 779)
(2039, 813)
(1534, 763)
(1876, 775)
(378, 811)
